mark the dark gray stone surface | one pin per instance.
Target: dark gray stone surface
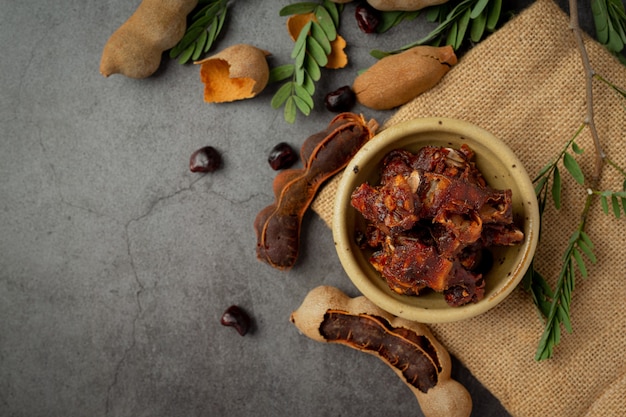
(116, 262)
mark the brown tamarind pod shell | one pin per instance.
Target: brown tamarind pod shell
(323, 154)
(396, 79)
(407, 347)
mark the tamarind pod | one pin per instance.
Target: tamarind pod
(323, 154)
(408, 348)
(396, 79)
(136, 47)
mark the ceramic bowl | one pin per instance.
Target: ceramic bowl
(501, 169)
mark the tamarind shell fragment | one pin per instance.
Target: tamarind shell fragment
(408, 348)
(323, 154)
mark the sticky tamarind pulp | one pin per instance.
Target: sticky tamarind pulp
(409, 348)
(373, 333)
(323, 154)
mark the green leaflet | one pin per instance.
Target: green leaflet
(206, 25)
(574, 169)
(556, 188)
(298, 8)
(281, 73)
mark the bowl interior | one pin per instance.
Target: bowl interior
(501, 169)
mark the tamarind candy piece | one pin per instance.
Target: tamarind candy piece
(408, 348)
(323, 154)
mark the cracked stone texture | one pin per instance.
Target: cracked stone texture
(116, 262)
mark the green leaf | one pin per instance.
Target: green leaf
(600, 19)
(582, 245)
(556, 188)
(580, 263)
(301, 105)
(333, 11)
(212, 34)
(432, 14)
(316, 51)
(494, 15)
(577, 149)
(391, 19)
(320, 36)
(303, 94)
(564, 318)
(326, 22)
(573, 168)
(299, 61)
(298, 8)
(604, 201)
(281, 95)
(300, 44)
(186, 54)
(312, 69)
(477, 29)
(478, 8)
(462, 29)
(290, 110)
(281, 73)
(200, 43)
(378, 54)
(308, 85)
(300, 73)
(616, 206)
(614, 43)
(452, 34)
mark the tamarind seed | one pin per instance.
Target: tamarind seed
(206, 159)
(367, 18)
(340, 100)
(282, 156)
(236, 317)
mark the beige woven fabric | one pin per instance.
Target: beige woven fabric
(525, 84)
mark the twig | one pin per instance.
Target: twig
(589, 73)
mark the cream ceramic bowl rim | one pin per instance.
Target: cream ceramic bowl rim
(344, 239)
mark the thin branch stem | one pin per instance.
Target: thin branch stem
(589, 73)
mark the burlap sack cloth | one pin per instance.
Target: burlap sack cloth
(525, 84)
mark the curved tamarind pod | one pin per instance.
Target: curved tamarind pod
(323, 154)
(136, 47)
(409, 348)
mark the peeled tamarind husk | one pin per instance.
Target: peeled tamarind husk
(136, 47)
(407, 347)
(397, 79)
(403, 5)
(238, 72)
(337, 57)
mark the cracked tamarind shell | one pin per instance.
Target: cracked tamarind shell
(236, 73)
(397, 79)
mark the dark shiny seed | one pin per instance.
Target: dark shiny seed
(235, 317)
(367, 18)
(206, 159)
(282, 156)
(340, 100)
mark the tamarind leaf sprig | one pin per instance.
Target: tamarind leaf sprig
(467, 21)
(554, 305)
(206, 24)
(310, 54)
